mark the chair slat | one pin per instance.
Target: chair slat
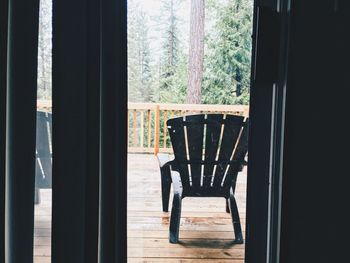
(217, 138)
(232, 128)
(42, 135)
(43, 149)
(177, 135)
(195, 128)
(239, 155)
(43, 177)
(213, 130)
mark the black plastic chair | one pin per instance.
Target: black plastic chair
(43, 169)
(209, 151)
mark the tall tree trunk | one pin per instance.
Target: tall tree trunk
(196, 52)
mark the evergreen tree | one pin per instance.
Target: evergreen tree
(140, 86)
(227, 61)
(161, 74)
(172, 83)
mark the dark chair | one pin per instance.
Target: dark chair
(43, 169)
(209, 151)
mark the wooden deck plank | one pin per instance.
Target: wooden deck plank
(185, 243)
(206, 231)
(172, 260)
(182, 253)
(222, 235)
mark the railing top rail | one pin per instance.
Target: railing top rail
(188, 107)
(44, 104)
(47, 104)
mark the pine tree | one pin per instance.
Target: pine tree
(169, 44)
(227, 63)
(140, 86)
(172, 61)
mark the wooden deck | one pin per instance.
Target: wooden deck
(206, 230)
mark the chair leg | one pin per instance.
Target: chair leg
(37, 198)
(227, 206)
(175, 220)
(235, 220)
(166, 184)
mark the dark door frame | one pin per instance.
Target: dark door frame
(267, 113)
(267, 107)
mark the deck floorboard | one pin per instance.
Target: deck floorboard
(206, 231)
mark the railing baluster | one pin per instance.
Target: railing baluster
(142, 129)
(164, 128)
(128, 127)
(134, 140)
(149, 127)
(156, 129)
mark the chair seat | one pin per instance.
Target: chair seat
(209, 192)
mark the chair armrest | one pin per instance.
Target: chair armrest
(163, 159)
(244, 163)
(177, 184)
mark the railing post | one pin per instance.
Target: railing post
(149, 128)
(164, 129)
(134, 127)
(142, 129)
(156, 129)
(128, 125)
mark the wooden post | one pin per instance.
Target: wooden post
(164, 129)
(134, 128)
(128, 124)
(149, 127)
(156, 130)
(142, 129)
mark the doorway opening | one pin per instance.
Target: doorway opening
(184, 58)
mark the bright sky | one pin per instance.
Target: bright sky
(150, 6)
(153, 9)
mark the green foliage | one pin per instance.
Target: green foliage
(161, 75)
(228, 53)
(173, 87)
(140, 82)
(172, 82)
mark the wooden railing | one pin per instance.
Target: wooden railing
(147, 129)
(44, 105)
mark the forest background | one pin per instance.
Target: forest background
(159, 46)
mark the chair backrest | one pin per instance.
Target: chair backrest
(43, 178)
(209, 151)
